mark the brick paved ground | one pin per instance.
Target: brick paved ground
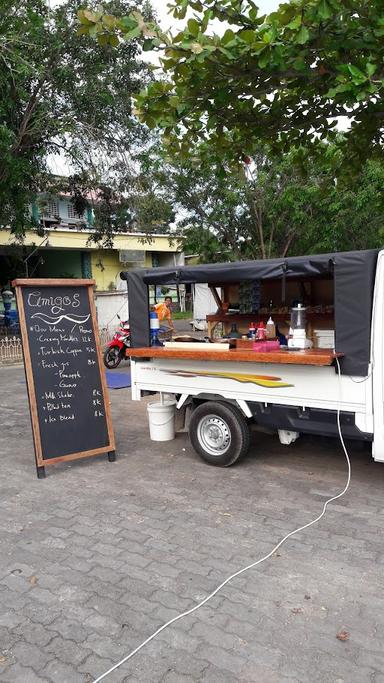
(99, 554)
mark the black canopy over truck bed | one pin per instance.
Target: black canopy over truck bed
(353, 276)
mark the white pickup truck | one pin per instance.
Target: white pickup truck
(288, 391)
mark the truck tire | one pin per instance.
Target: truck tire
(219, 433)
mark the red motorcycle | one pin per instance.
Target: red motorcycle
(115, 351)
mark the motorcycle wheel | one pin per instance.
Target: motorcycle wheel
(112, 357)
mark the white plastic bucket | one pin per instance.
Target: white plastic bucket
(161, 418)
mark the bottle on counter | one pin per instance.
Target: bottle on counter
(234, 334)
(261, 331)
(252, 331)
(270, 329)
(282, 339)
(154, 325)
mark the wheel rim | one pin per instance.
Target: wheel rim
(113, 356)
(214, 435)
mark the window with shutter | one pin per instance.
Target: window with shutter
(51, 208)
(72, 213)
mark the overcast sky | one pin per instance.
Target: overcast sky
(167, 21)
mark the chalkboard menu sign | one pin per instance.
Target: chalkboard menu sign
(66, 384)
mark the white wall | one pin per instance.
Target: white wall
(203, 302)
(108, 304)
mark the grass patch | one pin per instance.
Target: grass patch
(182, 315)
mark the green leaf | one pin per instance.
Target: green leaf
(103, 39)
(258, 47)
(180, 12)
(168, 64)
(268, 36)
(150, 122)
(82, 18)
(147, 45)
(228, 37)
(92, 17)
(296, 22)
(179, 37)
(264, 60)
(302, 36)
(206, 18)
(247, 36)
(344, 87)
(371, 68)
(193, 27)
(128, 23)
(324, 9)
(133, 33)
(109, 21)
(357, 75)
(299, 64)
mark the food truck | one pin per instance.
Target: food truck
(222, 389)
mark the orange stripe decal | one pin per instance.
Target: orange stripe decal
(268, 381)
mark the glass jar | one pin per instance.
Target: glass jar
(234, 334)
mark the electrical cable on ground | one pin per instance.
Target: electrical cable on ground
(249, 566)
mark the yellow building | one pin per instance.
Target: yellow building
(67, 251)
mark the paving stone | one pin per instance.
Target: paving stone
(104, 589)
(171, 600)
(214, 636)
(131, 585)
(35, 635)
(22, 674)
(65, 673)
(94, 666)
(68, 628)
(175, 677)
(177, 638)
(67, 651)
(221, 658)
(38, 614)
(19, 584)
(10, 619)
(30, 656)
(213, 674)
(101, 624)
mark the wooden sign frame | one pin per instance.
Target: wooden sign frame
(41, 462)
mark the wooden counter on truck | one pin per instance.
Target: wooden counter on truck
(319, 357)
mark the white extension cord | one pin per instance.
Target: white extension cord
(249, 566)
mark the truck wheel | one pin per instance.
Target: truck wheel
(219, 433)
